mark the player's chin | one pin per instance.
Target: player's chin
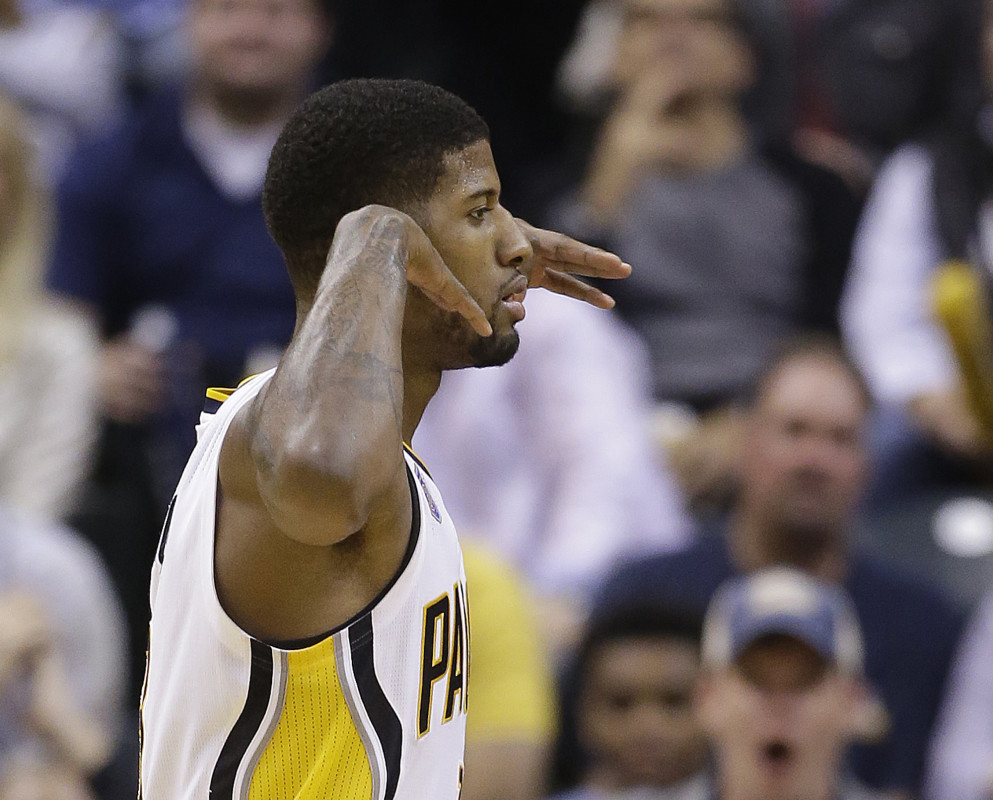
(495, 350)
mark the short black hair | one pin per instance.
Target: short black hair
(638, 621)
(353, 143)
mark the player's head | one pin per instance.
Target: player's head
(636, 670)
(424, 151)
(781, 689)
(805, 438)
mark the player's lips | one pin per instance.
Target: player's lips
(513, 299)
(516, 289)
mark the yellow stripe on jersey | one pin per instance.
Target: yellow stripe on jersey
(316, 751)
(218, 394)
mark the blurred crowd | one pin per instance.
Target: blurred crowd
(732, 540)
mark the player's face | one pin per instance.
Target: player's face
(485, 249)
(806, 463)
(636, 714)
(779, 720)
(257, 45)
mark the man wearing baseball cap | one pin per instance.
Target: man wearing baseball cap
(781, 692)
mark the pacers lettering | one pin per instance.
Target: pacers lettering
(444, 654)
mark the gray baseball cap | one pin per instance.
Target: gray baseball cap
(782, 601)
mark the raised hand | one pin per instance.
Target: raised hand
(428, 272)
(24, 632)
(558, 258)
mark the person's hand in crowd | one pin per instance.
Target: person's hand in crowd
(638, 136)
(945, 417)
(54, 713)
(24, 633)
(671, 118)
(131, 381)
(704, 459)
(34, 781)
(27, 648)
(679, 79)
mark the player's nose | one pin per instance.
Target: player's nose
(513, 247)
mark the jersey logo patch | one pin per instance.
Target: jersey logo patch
(432, 505)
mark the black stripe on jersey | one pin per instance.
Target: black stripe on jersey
(165, 529)
(244, 730)
(381, 714)
(211, 405)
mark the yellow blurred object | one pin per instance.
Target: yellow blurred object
(511, 683)
(960, 302)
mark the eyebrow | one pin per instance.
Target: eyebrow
(488, 192)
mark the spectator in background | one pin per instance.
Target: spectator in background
(575, 482)
(47, 353)
(61, 61)
(930, 203)
(738, 241)
(960, 766)
(162, 241)
(872, 75)
(510, 729)
(62, 644)
(802, 471)
(781, 692)
(632, 712)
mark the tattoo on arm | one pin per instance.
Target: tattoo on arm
(341, 379)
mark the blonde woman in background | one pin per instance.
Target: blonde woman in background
(47, 351)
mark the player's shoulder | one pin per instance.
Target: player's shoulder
(222, 431)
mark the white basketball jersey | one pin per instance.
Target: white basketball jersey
(374, 710)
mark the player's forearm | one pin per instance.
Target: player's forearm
(328, 430)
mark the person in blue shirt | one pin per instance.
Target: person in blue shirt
(801, 475)
(162, 241)
(161, 234)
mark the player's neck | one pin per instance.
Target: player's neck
(419, 386)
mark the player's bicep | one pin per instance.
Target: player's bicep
(236, 470)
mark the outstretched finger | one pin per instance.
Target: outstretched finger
(561, 283)
(573, 256)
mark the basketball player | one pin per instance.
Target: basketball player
(309, 621)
